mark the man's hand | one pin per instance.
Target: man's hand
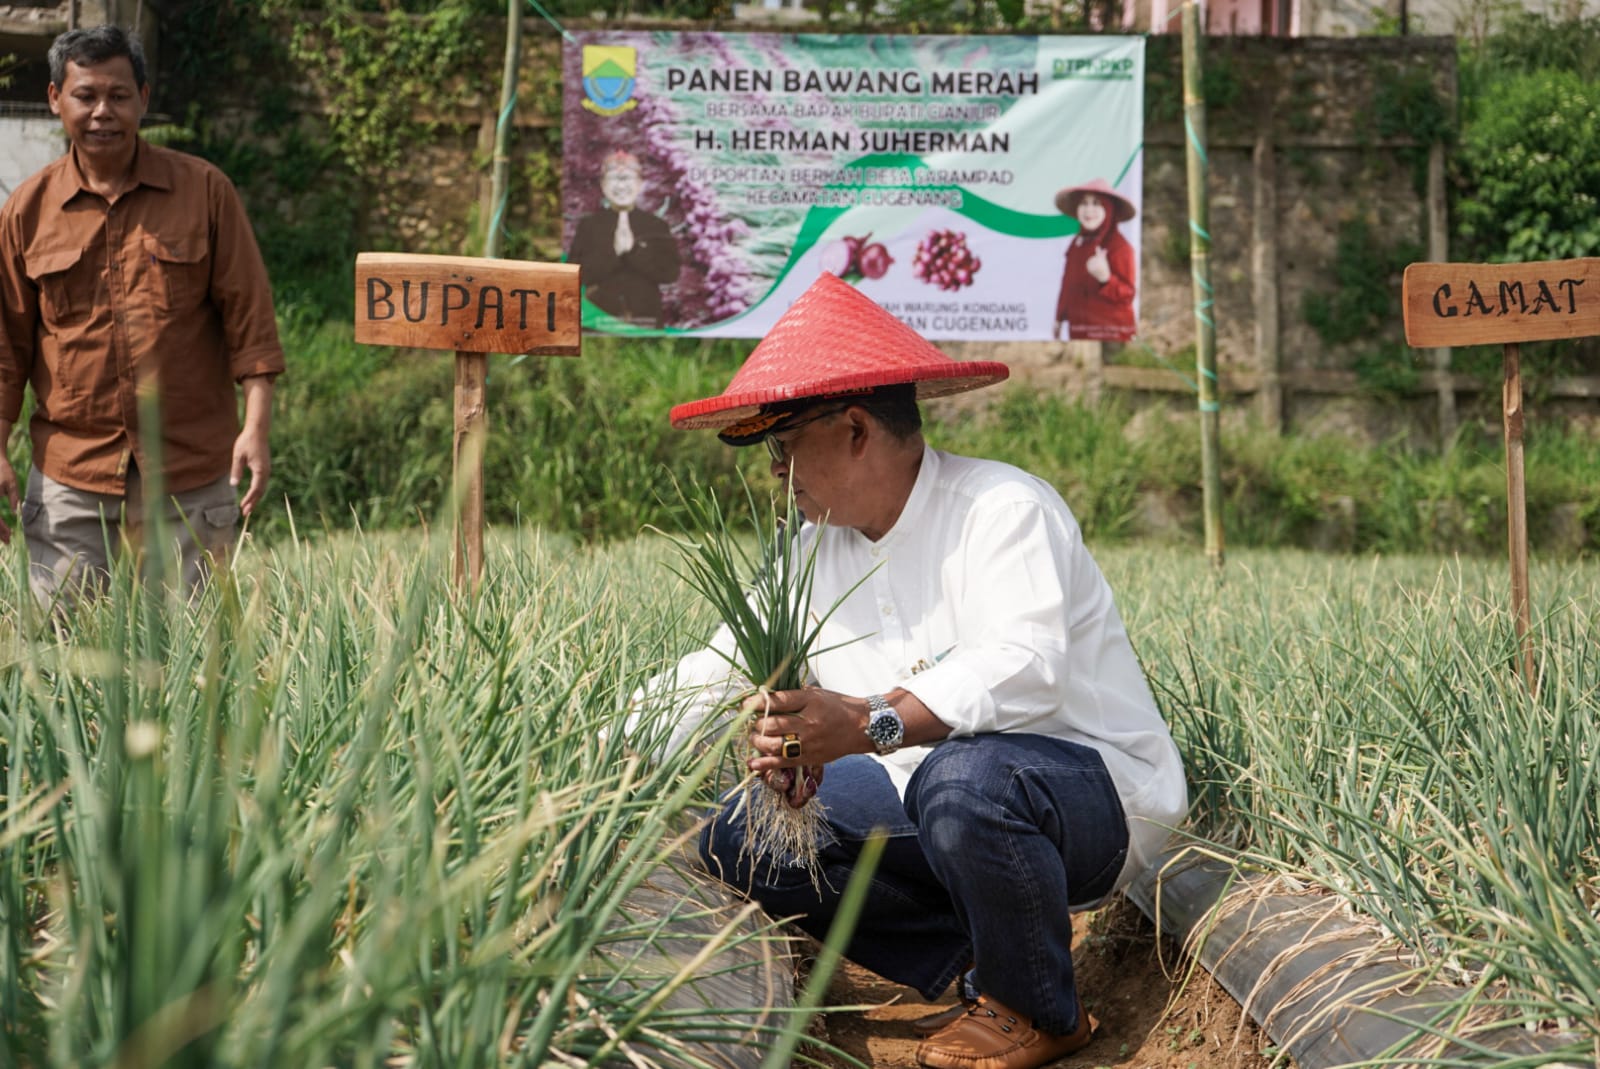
(8, 490)
(622, 239)
(251, 449)
(826, 725)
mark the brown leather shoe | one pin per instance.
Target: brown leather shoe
(936, 1022)
(991, 1036)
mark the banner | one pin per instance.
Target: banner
(980, 188)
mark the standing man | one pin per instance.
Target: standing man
(128, 268)
(977, 696)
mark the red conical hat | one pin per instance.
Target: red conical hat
(834, 341)
(1067, 199)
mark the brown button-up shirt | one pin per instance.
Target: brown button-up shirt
(166, 284)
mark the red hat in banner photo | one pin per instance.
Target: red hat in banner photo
(832, 342)
(1067, 200)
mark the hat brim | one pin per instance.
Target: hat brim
(942, 380)
(1067, 202)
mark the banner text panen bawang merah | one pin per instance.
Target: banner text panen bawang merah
(981, 188)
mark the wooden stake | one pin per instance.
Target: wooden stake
(472, 426)
(1517, 508)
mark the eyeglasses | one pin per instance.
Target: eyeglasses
(775, 448)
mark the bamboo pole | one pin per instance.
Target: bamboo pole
(1194, 120)
(1517, 509)
(1264, 281)
(472, 369)
(500, 174)
(1439, 252)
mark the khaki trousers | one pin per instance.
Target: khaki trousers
(74, 536)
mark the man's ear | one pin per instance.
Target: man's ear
(861, 430)
(53, 95)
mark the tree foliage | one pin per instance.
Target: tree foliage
(1528, 164)
(1531, 162)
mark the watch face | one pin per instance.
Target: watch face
(885, 730)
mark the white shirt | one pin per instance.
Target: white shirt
(983, 602)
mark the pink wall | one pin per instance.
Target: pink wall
(1274, 18)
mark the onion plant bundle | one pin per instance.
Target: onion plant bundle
(760, 588)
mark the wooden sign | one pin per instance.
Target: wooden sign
(467, 304)
(474, 306)
(1473, 304)
(1476, 304)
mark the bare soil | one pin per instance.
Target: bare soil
(1157, 1010)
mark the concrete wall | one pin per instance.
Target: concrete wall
(27, 143)
(26, 32)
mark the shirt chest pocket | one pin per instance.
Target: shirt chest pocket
(178, 270)
(66, 285)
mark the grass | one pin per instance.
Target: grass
(334, 814)
(1362, 728)
(362, 439)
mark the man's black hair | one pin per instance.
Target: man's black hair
(895, 407)
(91, 46)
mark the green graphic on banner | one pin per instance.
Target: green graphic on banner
(982, 188)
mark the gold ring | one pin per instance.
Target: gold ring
(791, 747)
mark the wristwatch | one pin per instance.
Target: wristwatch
(884, 726)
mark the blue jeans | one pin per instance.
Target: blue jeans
(998, 837)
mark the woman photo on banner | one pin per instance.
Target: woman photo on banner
(1101, 276)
